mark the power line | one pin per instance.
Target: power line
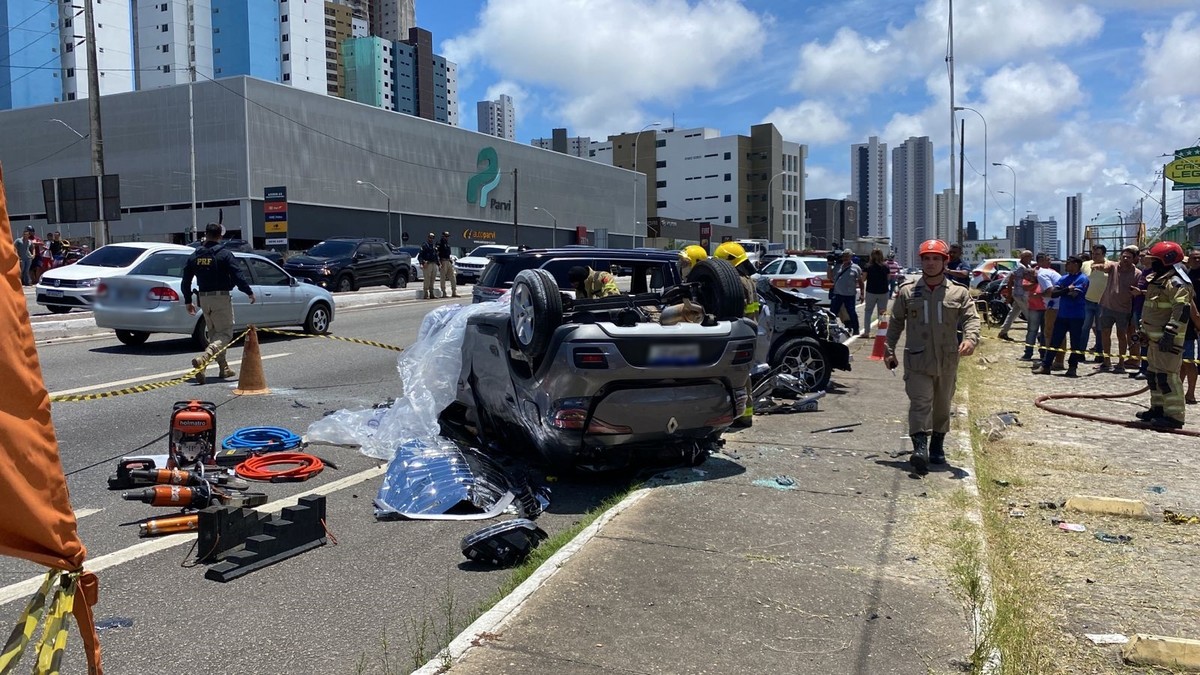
(39, 161)
(49, 4)
(9, 84)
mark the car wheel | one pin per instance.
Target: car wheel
(412, 275)
(132, 338)
(317, 321)
(399, 280)
(720, 289)
(345, 284)
(804, 359)
(200, 334)
(536, 311)
(58, 309)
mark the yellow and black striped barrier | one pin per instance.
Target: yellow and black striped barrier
(54, 635)
(1120, 358)
(327, 336)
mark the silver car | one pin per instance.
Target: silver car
(150, 300)
(805, 276)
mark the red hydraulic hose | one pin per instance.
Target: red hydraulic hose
(1132, 424)
(302, 467)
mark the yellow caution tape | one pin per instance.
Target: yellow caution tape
(357, 341)
(1180, 518)
(1085, 353)
(54, 635)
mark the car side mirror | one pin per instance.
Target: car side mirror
(292, 282)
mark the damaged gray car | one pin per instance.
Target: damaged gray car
(608, 383)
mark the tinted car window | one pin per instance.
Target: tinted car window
(497, 275)
(163, 265)
(819, 266)
(789, 267)
(773, 268)
(332, 249)
(485, 251)
(267, 274)
(112, 256)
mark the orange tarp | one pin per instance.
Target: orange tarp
(38, 523)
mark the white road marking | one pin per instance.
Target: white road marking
(24, 589)
(84, 513)
(158, 376)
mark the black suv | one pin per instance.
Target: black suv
(649, 270)
(347, 264)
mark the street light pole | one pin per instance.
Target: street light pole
(554, 232)
(1014, 206)
(769, 210)
(983, 235)
(389, 205)
(635, 158)
(1014, 190)
(1162, 206)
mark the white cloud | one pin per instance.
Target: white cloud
(1171, 59)
(811, 122)
(823, 183)
(605, 59)
(849, 63)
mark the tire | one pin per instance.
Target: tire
(58, 309)
(720, 289)
(133, 338)
(399, 279)
(200, 334)
(803, 358)
(412, 275)
(345, 284)
(536, 311)
(317, 321)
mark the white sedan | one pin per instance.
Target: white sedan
(150, 300)
(804, 275)
(74, 286)
(469, 266)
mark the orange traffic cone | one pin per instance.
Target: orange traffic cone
(252, 381)
(880, 338)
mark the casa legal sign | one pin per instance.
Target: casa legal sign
(1184, 171)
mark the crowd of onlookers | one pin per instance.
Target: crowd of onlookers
(37, 255)
(1091, 302)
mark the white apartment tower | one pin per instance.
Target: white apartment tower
(302, 45)
(1075, 225)
(913, 212)
(947, 216)
(169, 38)
(868, 186)
(497, 118)
(114, 55)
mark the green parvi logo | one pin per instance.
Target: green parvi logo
(481, 184)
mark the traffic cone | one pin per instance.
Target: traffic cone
(251, 381)
(878, 350)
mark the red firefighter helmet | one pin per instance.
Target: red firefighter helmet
(935, 246)
(1168, 252)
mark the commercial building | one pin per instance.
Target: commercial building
(251, 135)
(946, 220)
(830, 221)
(1075, 225)
(739, 184)
(868, 186)
(576, 146)
(913, 212)
(497, 118)
(1039, 236)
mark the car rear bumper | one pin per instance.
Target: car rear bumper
(167, 318)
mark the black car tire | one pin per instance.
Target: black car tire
(794, 352)
(720, 289)
(399, 279)
(345, 284)
(536, 311)
(200, 334)
(412, 275)
(58, 309)
(133, 338)
(317, 321)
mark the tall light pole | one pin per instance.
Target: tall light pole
(983, 235)
(1014, 190)
(1014, 206)
(554, 232)
(635, 158)
(389, 205)
(1162, 206)
(100, 227)
(769, 183)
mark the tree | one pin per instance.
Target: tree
(986, 251)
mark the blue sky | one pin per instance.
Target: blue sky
(1079, 97)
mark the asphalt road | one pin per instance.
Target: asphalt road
(380, 591)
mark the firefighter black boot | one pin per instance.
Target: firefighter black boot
(920, 453)
(1154, 412)
(937, 453)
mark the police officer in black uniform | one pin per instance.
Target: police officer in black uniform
(216, 272)
(446, 265)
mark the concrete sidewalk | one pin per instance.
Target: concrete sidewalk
(723, 569)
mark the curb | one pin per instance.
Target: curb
(1165, 652)
(1112, 506)
(495, 619)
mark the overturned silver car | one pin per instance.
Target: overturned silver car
(607, 383)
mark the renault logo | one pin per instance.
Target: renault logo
(672, 425)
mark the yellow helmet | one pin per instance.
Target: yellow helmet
(694, 253)
(732, 252)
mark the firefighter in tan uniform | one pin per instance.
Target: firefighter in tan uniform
(735, 255)
(589, 283)
(1166, 312)
(933, 310)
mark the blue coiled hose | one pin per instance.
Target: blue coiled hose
(261, 439)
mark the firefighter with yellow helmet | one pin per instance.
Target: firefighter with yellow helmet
(689, 257)
(733, 253)
(1164, 316)
(933, 310)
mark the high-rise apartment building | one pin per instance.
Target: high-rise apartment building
(577, 146)
(302, 45)
(393, 19)
(830, 222)
(1039, 236)
(868, 186)
(341, 24)
(913, 212)
(368, 71)
(497, 118)
(169, 39)
(246, 39)
(743, 185)
(946, 221)
(405, 76)
(1075, 225)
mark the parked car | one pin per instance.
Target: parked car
(992, 269)
(468, 267)
(806, 276)
(347, 264)
(648, 270)
(62, 289)
(602, 384)
(150, 300)
(245, 247)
